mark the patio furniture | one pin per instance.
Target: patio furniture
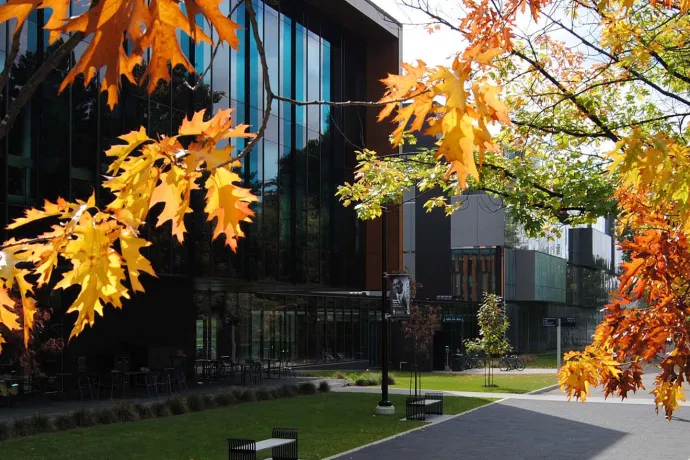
(418, 407)
(145, 379)
(163, 382)
(84, 386)
(283, 443)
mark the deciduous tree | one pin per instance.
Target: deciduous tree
(538, 114)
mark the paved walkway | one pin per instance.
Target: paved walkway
(543, 427)
(543, 430)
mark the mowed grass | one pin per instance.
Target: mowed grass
(544, 361)
(329, 423)
(505, 383)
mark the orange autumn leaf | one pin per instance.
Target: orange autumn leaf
(228, 204)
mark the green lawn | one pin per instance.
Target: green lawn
(544, 361)
(506, 383)
(329, 423)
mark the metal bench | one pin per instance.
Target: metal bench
(283, 443)
(418, 407)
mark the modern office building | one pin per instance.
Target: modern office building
(480, 249)
(290, 290)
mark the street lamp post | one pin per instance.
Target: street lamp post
(385, 407)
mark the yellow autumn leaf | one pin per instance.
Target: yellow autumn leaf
(174, 191)
(136, 262)
(7, 316)
(28, 303)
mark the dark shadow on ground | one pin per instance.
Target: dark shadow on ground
(498, 432)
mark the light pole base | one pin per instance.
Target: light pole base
(385, 410)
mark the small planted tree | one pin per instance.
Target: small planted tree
(492, 341)
(420, 329)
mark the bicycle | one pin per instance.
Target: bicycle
(511, 362)
(473, 362)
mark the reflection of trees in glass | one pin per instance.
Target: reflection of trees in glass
(590, 286)
(267, 236)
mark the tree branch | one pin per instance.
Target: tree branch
(585, 111)
(348, 103)
(30, 87)
(9, 61)
(559, 130)
(614, 58)
(213, 55)
(267, 82)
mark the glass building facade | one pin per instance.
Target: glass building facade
(302, 238)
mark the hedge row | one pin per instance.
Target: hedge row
(127, 411)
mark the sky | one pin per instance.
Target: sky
(417, 42)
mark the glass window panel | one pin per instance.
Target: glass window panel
(286, 66)
(237, 60)
(271, 133)
(202, 50)
(270, 173)
(255, 72)
(160, 119)
(325, 84)
(313, 80)
(300, 73)
(272, 47)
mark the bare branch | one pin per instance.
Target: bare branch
(348, 103)
(9, 61)
(267, 82)
(213, 55)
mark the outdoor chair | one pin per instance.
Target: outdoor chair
(163, 382)
(84, 386)
(119, 381)
(146, 380)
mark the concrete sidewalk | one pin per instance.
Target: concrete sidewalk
(534, 429)
(554, 395)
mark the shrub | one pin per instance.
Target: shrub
(262, 394)
(529, 359)
(83, 418)
(22, 427)
(126, 412)
(287, 391)
(369, 379)
(64, 422)
(248, 396)
(161, 410)
(177, 405)
(106, 416)
(340, 375)
(307, 388)
(5, 431)
(209, 401)
(144, 411)
(237, 393)
(225, 399)
(195, 402)
(41, 424)
(324, 387)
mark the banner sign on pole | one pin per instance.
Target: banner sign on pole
(400, 295)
